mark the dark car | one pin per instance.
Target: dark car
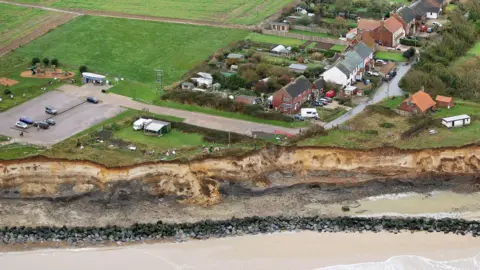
(51, 122)
(299, 117)
(41, 124)
(26, 120)
(92, 100)
(317, 104)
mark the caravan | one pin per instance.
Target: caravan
(141, 123)
(309, 113)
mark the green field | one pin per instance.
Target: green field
(275, 40)
(16, 21)
(231, 11)
(308, 33)
(474, 51)
(337, 48)
(131, 49)
(391, 56)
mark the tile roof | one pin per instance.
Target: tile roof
(367, 38)
(363, 50)
(443, 99)
(297, 87)
(423, 100)
(369, 25)
(392, 24)
(407, 14)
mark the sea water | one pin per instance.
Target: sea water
(410, 262)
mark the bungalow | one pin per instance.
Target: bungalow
(385, 32)
(351, 66)
(418, 103)
(249, 100)
(291, 97)
(431, 9)
(280, 26)
(444, 102)
(298, 68)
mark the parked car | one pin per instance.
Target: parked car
(41, 124)
(316, 103)
(429, 30)
(373, 73)
(50, 110)
(21, 125)
(328, 99)
(92, 100)
(299, 117)
(381, 62)
(437, 24)
(26, 120)
(323, 101)
(51, 122)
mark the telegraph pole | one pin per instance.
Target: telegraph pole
(159, 80)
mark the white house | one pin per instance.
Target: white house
(430, 8)
(336, 76)
(456, 121)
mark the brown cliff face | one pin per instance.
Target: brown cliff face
(200, 181)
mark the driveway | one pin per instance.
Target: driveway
(386, 90)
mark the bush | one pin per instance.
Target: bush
(409, 53)
(35, 60)
(422, 123)
(312, 131)
(83, 69)
(54, 62)
(371, 132)
(7, 92)
(381, 110)
(409, 42)
(46, 61)
(387, 125)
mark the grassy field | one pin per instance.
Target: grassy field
(16, 151)
(350, 22)
(391, 56)
(231, 11)
(337, 48)
(308, 33)
(311, 45)
(131, 49)
(327, 115)
(474, 51)
(16, 21)
(275, 39)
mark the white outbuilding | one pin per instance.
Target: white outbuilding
(456, 121)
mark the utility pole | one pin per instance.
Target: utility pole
(159, 80)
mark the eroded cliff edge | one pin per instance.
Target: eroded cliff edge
(203, 181)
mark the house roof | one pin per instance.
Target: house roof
(319, 83)
(350, 63)
(367, 38)
(279, 23)
(407, 14)
(392, 24)
(298, 66)
(369, 25)
(444, 99)
(421, 7)
(156, 126)
(385, 69)
(363, 50)
(297, 87)
(423, 100)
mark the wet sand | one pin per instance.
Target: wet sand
(303, 250)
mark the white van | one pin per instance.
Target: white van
(309, 113)
(141, 123)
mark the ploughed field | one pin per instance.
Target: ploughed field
(230, 11)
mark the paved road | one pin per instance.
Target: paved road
(194, 118)
(384, 91)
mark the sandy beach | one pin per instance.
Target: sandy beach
(302, 250)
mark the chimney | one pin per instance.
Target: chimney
(382, 22)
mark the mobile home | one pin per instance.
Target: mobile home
(309, 113)
(141, 123)
(456, 121)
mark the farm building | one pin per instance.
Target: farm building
(456, 121)
(158, 127)
(418, 103)
(444, 102)
(298, 68)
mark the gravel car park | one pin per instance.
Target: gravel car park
(74, 115)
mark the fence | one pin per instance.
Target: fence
(403, 113)
(309, 28)
(304, 37)
(379, 48)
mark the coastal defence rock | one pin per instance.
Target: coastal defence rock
(200, 181)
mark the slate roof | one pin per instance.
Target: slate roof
(407, 14)
(319, 83)
(350, 63)
(297, 87)
(422, 7)
(363, 50)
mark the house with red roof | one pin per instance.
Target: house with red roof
(444, 102)
(418, 103)
(385, 32)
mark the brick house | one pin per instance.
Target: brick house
(418, 103)
(292, 96)
(406, 16)
(444, 102)
(385, 32)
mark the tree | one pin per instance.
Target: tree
(343, 5)
(379, 6)
(83, 69)
(46, 61)
(250, 75)
(305, 20)
(284, 80)
(262, 69)
(54, 62)
(409, 53)
(218, 78)
(234, 82)
(35, 60)
(261, 87)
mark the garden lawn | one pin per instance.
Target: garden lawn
(17, 151)
(173, 139)
(131, 49)
(337, 48)
(390, 56)
(275, 40)
(474, 51)
(308, 33)
(231, 11)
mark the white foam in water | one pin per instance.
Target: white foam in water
(429, 215)
(392, 196)
(409, 262)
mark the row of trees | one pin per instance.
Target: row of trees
(45, 61)
(439, 70)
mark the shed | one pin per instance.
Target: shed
(280, 26)
(158, 127)
(444, 102)
(299, 68)
(88, 77)
(456, 121)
